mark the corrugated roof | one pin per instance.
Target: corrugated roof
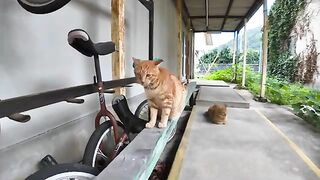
(223, 15)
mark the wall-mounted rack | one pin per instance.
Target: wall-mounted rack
(13, 106)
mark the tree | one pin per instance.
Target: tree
(207, 60)
(252, 56)
(225, 56)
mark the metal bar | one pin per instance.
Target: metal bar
(147, 4)
(150, 6)
(151, 25)
(207, 13)
(25, 103)
(211, 17)
(264, 51)
(97, 67)
(244, 53)
(227, 13)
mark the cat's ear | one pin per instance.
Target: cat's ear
(135, 61)
(157, 62)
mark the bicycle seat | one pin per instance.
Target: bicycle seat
(130, 121)
(81, 41)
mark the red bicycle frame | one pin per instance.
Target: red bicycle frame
(103, 109)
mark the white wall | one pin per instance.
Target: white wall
(307, 30)
(35, 57)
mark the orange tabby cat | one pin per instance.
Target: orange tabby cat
(165, 92)
(218, 113)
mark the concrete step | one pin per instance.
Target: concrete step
(208, 96)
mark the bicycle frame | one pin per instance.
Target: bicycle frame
(103, 109)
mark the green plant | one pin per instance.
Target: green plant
(225, 75)
(252, 56)
(305, 101)
(282, 18)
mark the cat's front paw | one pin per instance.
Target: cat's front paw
(162, 125)
(150, 125)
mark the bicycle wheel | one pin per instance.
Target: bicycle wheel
(142, 111)
(101, 146)
(65, 172)
(42, 6)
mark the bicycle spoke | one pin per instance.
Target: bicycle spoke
(100, 153)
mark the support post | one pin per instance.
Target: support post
(234, 49)
(236, 58)
(117, 35)
(151, 24)
(150, 6)
(192, 56)
(179, 40)
(244, 53)
(264, 52)
(188, 48)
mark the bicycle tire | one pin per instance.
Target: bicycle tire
(92, 148)
(142, 111)
(65, 171)
(44, 7)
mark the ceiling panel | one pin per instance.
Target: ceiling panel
(199, 24)
(218, 16)
(215, 24)
(231, 23)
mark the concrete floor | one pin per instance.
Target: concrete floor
(250, 145)
(299, 131)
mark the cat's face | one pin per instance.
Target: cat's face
(146, 71)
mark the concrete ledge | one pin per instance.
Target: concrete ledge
(213, 83)
(139, 158)
(224, 95)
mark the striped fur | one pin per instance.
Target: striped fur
(164, 91)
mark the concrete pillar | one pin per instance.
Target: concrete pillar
(236, 57)
(234, 49)
(264, 51)
(117, 35)
(244, 53)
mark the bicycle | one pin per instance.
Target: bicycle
(101, 150)
(110, 136)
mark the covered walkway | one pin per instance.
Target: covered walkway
(253, 145)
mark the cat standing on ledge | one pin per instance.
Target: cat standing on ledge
(164, 91)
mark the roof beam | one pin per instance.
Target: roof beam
(227, 13)
(249, 14)
(217, 30)
(211, 17)
(187, 12)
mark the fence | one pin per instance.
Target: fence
(202, 69)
